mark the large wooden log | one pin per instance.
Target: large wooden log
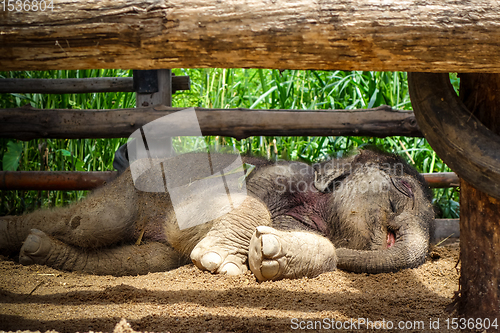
(479, 214)
(405, 35)
(28, 123)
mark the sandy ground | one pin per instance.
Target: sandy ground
(38, 298)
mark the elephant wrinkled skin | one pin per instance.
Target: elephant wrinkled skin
(370, 213)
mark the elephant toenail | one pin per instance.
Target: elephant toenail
(270, 246)
(270, 269)
(230, 269)
(211, 261)
(25, 260)
(32, 244)
(262, 229)
(195, 254)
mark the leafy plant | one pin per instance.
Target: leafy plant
(10, 160)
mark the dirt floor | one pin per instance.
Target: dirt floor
(38, 298)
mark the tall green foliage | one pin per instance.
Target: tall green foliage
(220, 88)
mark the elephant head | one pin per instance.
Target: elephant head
(380, 210)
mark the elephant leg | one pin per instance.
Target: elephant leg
(11, 239)
(104, 218)
(224, 248)
(42, 249)
(275, 254)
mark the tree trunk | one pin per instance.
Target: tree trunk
(480, 213)
(404, 35)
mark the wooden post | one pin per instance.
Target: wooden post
(480, 214)
(163, 96)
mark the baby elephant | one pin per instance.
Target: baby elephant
(368, 213)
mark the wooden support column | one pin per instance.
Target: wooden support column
(480, 214)
(163, 95)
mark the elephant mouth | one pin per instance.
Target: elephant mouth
(391, 239)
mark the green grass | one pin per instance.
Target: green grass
(220, 88)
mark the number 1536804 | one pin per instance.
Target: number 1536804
(27, 5)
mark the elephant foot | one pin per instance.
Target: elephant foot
(36, 248)
(275, 255)
(210, 255)
(224, 249)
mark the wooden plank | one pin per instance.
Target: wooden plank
(442, 179)
(73, 180)
(396, 35)
(28, 123)
(54, 180)
(446, 228)
(84, 85)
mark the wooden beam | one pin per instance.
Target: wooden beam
(442, 179)
(28, 123)
(77, 180)
(78, 86)
(479, 283)
(402, 35)
(54, 180)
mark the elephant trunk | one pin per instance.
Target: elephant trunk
(409, 251)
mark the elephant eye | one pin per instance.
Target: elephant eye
(403, 187)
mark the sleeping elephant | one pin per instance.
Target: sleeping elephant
(370, 212)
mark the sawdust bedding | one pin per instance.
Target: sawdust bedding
(37, 298)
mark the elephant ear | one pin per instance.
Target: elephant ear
(329, 174)
(120, 162)
(458, 137)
